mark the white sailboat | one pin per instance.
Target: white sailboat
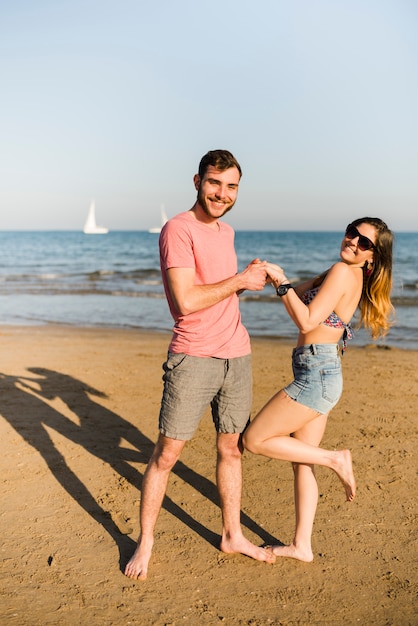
(90, 227)
(164, 219)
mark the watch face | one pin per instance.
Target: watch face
(283, 289)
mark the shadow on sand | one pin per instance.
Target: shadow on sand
(99, 432)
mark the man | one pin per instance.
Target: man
(209, 360)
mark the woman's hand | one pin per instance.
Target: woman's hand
(275, 274)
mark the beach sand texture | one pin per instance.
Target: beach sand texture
(78, 420)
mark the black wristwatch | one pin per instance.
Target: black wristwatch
(283, 289)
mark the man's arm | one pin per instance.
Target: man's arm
(189, 298)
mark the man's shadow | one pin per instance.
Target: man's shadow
(100, 432)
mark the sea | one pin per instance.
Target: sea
(114, 280)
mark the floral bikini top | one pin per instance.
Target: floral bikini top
(333, 320)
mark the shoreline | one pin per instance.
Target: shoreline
(78, 417)
(140, 330)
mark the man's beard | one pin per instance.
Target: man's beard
(201, 200)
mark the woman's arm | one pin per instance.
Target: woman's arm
(308, 317)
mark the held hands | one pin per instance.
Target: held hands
(259, 273)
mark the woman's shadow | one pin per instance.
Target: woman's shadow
(100, 432)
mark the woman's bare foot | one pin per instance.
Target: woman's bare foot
(137, 566)
(291, 551)
(344, 469)
(241, 545)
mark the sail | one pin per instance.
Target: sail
(90, 226)
(164, 220)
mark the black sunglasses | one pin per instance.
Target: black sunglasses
(364, 243)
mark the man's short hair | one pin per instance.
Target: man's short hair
(220, 159)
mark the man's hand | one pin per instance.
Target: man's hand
(255, 275)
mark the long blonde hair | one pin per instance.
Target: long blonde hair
(376, 309)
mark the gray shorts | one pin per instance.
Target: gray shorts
(318, 382)
(193, 383)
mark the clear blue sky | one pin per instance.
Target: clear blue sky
(118, 101)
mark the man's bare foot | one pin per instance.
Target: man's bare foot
(292, 551)
(344, 469)
(241, 545)
(137, 566)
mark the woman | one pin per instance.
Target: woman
(322, 309)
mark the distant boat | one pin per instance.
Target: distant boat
(164, 220)
(90, 227)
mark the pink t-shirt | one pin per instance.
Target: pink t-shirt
(216, 331)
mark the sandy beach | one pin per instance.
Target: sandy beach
(78, 420)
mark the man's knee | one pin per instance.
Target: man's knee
(166, 453)
(229, 446)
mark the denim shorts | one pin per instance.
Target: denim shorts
(318, 382)
(193, 383)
